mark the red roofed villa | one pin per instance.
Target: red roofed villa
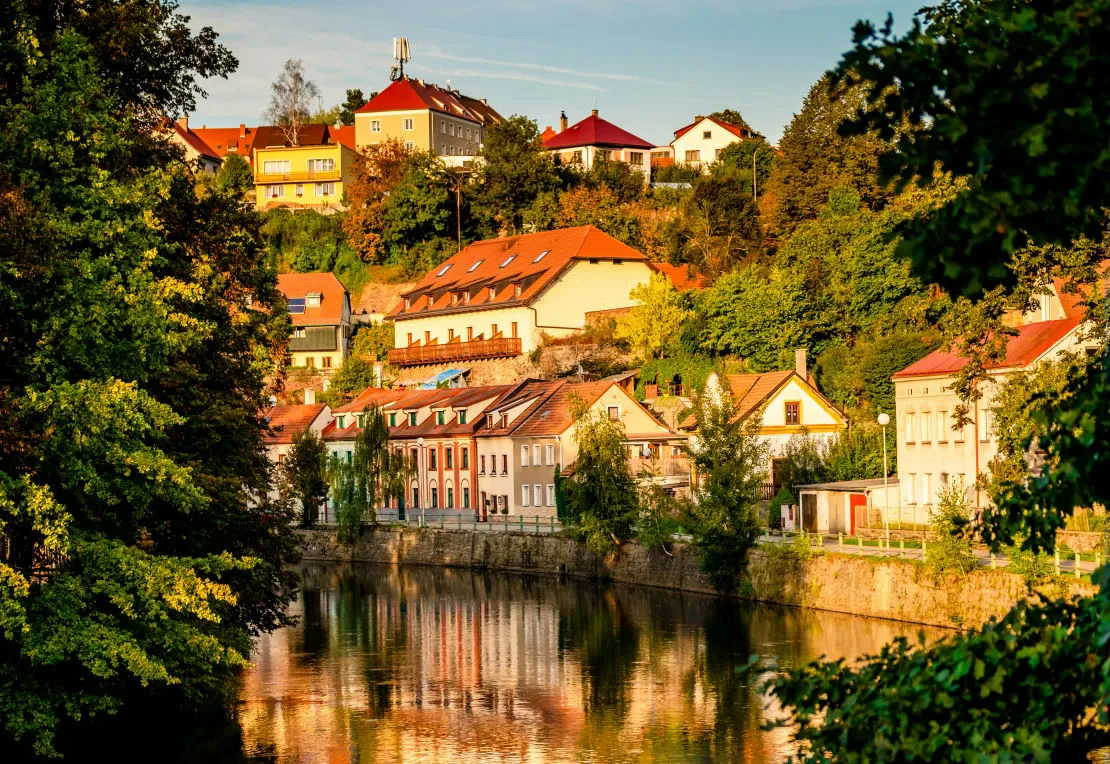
(583, 142)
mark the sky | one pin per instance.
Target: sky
(648, 66)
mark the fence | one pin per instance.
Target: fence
(469, 522)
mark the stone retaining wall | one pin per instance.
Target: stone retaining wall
(882, 588)
(1081, 541)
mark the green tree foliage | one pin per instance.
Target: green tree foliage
(515, 171)
(731, 460)
(601, 496)
(235, 175)
(626, 184)
(304, 242)
(951, 521)
(732, 117)
(562, 510)
(816, 158)
(352, 377)
(420, 209)
(302, 473)
(803, 460)
(858, 453)
(373, 341)
(722, 222)
(352, 103)
(652, 326)
(739, 155)
(131, 451)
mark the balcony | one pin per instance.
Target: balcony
(476, 350)
(308, 176)
(665, 469)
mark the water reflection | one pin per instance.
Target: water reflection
(421, 664)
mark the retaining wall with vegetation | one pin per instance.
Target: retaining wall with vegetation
(877, 587)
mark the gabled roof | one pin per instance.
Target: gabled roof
(344, 135)
(595, 131)
(481, 109)
(681, 277)
(553, 416)
(408, 95)
(334, 297)
(486, 264)
(371, 396)
(750, 392)
(736, 130)
(1031, 342)
(195, 142)
(223, 139)
(286, 421)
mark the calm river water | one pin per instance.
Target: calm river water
(434, 665)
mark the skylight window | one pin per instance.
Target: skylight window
(474, 267)
(541, 255)
(508, 260)
(296, 305)
(444, 269)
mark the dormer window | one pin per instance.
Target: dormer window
(341, 421)
(508, 260)
(441, 417)
(517, 289)
(504, 420)
(492, 292)
(541, 255)
(408, 303)
(393, 419)
(489, 420)
(466, 296)
(474, 267)
(461, 413)
(444, 270)
(313, 299)
(412, 419)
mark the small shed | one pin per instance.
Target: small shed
(841, 507)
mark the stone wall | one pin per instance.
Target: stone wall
(882, 588)
(1081, 541)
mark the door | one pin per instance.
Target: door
(857, 503)
(809, 512)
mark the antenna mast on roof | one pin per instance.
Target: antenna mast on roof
(400, 55)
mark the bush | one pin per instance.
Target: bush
(774, 509)
(952, 551)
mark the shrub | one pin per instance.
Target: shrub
(952, 551)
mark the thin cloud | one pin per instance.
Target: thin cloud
(515, 76)
(544, 68)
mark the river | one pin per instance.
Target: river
(413, 664)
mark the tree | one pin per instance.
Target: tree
(601, 496)
(515, 170)
(377, 170)
(599, 207)
(739, 156)
(951, 520)
(653, 326)
(732, 117)
(351, 104)
(352, 377)
(373, 340)
(730, 458)
(291, 102)
(303, 473)
(131, 447)
(235, 176)
(420, 208)
(723, 222)
(625, 183)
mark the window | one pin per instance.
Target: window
(450, 497)
(410, 146)
(576, 156)
(604, 154)
(693, 156)
(466, 497)
(525, 495)
(432, 457)
(926, 421)
(300, 189)
(614, 413)
(462, 417)
(524, 456)
(550, 453)
(449, 457)
(925, 494)
(275, 167)
(474, 267)
(464, 452)
(443, 149)
(706, 134)
(942, 427)
(443, 127)
(793, 412)
(541, 255)
(910, 434)
(299, 333)
(492, 292)
(321, 165)
(415, 496)
(482, 465)
(716, 153)
(493, 331)
(451, 131)
(325, 361)
(434, 494)
(909, 488)
(275, 192)
(636, 158)
(341, 421)
(441, 417)
(310, 362)
(514, 330)
(325, 189)
(504, 464)
(537, 494)
(508, 260)
(393, 420)
(412, 419)
(406, 123)
(444, 269)
(551, 494)
(536, 454)
(985, 427)
(375, 125)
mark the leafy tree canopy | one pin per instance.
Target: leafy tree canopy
(515, 171)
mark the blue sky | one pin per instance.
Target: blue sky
(649, 66)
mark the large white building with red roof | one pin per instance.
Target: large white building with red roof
(498, 298)
(584, 142)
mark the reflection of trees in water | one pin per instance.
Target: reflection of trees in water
(605, 642)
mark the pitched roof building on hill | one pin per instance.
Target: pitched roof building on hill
(228, 140)
(320, 311)
(584, 142)
(196, 149)
(701, 142)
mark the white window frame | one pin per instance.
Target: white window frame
(942, 427)
(959, 436)
(443, 127)
(325, 189)
(407, 124)
(536, 454)
(525, 495)
(276, 167)
(609, 412)
(524, 455)
(909, 488)
(537, 495)
(321, 165)
(926, 422)
(300, 189)
(911, 422)
(550, 454)
(551, 494)
(409, 146)
(275, 191)
(375, 125)
(926, 497)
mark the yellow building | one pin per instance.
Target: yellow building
(425, 117)
(310, 175)
(320, 310)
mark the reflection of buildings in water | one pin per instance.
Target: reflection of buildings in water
(430, 664)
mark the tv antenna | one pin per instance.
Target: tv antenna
(400, 55)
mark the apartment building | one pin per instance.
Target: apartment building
(593, 138)
(320, 310)
(497, 298)
(700, 143)
(309, 175)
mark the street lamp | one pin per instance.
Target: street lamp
(884, 420)
(420, 481)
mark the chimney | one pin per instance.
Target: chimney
(699, 117)
(183, 122)
(800, 363)
(242, 130)
(594, 112)
(562, 121)
(309, 396)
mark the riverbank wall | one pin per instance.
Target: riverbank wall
(877, 587)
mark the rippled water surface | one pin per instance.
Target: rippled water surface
(432, 665)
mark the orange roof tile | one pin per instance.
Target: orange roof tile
(285, 421)
(1031, 342)
(297, 285)
(553, 416)
(194, 141)
(344, 135)
(736, 130)
(223, 139)
(681, 277)
(533, 261)
(371, 396)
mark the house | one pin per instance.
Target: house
(497, 298)
(532, 430)
(788, 404)
(593, 138)
(286, 421)
(309, 175)
(425, 117)
(661, 156)
(228, 140)
(320, 309)
(699, 143)
(197, 152)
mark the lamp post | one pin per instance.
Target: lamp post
(420, 480)
(884, 420)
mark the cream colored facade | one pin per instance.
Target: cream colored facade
(420, 130)
(559, 311)
(700, 146)
(638, 159)
(312, 177)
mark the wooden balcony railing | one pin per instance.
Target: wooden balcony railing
(455, 351)
(673, 466)
(308, 176)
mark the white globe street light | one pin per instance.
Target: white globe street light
(884, 420)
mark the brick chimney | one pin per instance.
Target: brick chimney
(309, 396)
(594, 112)
(699, 117)
(183, 122)
(242, 130)
(562, 121)
(800, 363)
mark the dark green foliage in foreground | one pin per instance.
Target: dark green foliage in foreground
(601, 496)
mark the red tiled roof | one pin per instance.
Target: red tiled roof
(681, 278)
(595, 131)
(195, 141)
(1031, 342)
(286, 421)
(371, 396)
(266, 136)
(344, 135)
(408, 94)
(483, 265)
(481, 109)
(736, 130)
(223, 139)
(750, 391)
(330, 312)
(553, 416)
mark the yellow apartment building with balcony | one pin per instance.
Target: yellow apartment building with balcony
(310, 175)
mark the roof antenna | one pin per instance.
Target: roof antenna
(400, 55)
